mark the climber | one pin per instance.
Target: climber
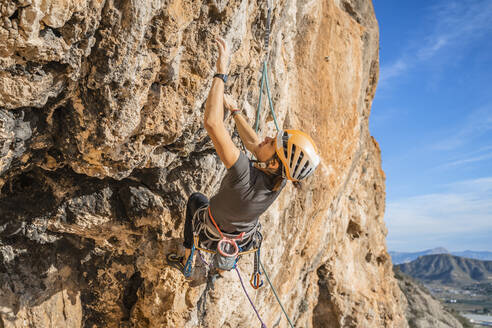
(249, 187)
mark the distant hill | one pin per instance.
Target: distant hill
(484, 256)
(448, 269)
(404, 257)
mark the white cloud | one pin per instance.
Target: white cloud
(480, 185)
(464, 209)
(475, 125)
(468, 160)
(456, 25)
(432, 47)
(395, 69)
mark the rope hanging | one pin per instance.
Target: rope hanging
(242, 285)
(249, 299)
(264, 76)
(276, 296)
(265, 83)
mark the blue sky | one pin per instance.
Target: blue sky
(432, 116)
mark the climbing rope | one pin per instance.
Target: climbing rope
(275, 293)
(242, 284)
(249, 299)
(265, 83)
(264, 76)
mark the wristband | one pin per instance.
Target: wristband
(235, 111)
(223, 77)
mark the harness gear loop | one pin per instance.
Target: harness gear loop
(226, 256)
(196, 243)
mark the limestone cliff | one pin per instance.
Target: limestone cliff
(101, 143)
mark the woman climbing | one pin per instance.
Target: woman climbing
(249, 187)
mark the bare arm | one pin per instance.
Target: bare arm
(246, 133)
(214, 113)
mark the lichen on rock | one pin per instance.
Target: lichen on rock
(102, 141)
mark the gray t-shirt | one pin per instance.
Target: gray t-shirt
(244, 194)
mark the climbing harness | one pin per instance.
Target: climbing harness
(227, 252)
(226, 256)
(202, 225)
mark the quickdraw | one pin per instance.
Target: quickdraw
(256, 281)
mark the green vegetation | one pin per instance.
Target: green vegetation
(475, 298)
(464, 321)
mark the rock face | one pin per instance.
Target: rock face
(423, 310)
(102, 141)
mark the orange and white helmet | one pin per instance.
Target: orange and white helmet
(298, 154)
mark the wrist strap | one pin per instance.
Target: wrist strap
(223, 77)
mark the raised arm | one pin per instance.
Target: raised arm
(246, 133)
(214, 112)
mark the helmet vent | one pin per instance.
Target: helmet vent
(292, 152)
(285, 148)
(301, 155)
(304, 171)
(308, 172)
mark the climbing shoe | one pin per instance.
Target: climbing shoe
(177, 262)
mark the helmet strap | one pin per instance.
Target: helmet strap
(264, 165)
(260, 165)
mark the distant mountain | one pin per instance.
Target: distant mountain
(448, 269)
(404, 257)
(485, 256)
